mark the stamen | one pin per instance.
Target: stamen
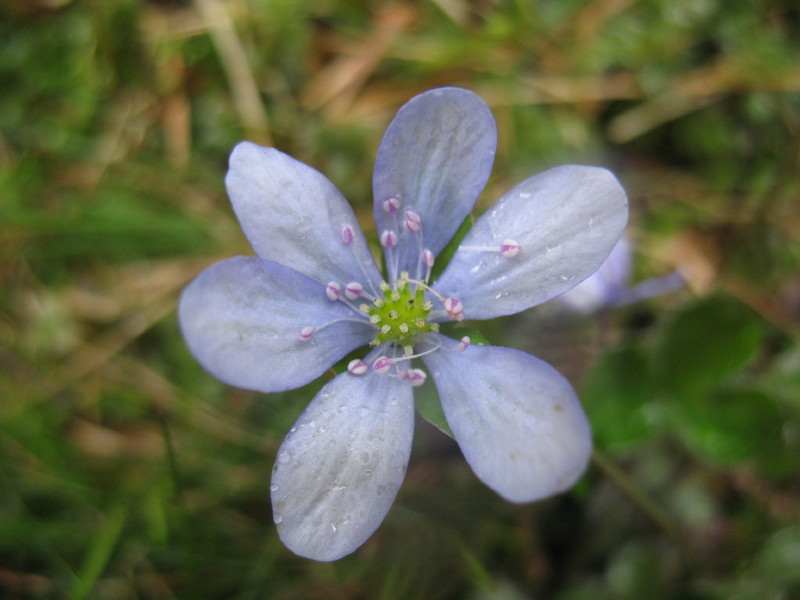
(427, 258)
(416, 377)
(413, 215)
(333, 290)
(408, 356)
(454, 308)
(424, 285)
(347, 235)
(509, 248)
(391, 205)
(357, 366)
(412, 226)
(413, 221)
(463, 344)
(382, 364)
(306, 333)
(388, 239)
(353, 290)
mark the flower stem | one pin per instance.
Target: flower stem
(642, 500)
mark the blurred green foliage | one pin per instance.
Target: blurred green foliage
(128, 472)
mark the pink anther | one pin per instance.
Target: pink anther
(347, 234)
(509, 248)
(454, 308)
(412, 226)
(357, 366)
(353, 290)
(391, 205)
(306, 333)
(388, 239)
(463, 344)
(427, 258)
(333, 290)
(416, 377)
(382, 364)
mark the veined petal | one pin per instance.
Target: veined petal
(295, 216)
(565, 222)
(435, 159)
(339, 470)
(517, 420)
(242, 318)
(606, 286)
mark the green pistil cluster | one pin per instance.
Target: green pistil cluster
(400, 315)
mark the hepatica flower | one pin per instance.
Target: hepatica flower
(610, 286)
(315, 294)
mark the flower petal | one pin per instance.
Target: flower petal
(435, 158)
(339, 470)
(517, 420)
(242, 320)
(294, 215)
(606, 286)
(565, 221)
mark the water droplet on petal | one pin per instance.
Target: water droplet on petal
(284, 457)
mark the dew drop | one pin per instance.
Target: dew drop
(284, 457)
(365, 457)
(273, 488)
(278, 519)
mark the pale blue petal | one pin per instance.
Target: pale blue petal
(606, 286)
(565, 220)
(242, 318)
(294, 215)
(517, 420)
(338, 471)
(435, 157)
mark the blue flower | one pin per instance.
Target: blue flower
(315, 294)
(610, 286)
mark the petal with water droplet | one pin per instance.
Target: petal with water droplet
(294, 215)
(517, 420)
(242, 318)
(565, 220)
(334, 487)
(435, 158)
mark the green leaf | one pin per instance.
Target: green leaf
(731, 427)
(98, 554)
(705, 344)
(615, 394)
(444, 257)
(426, 399)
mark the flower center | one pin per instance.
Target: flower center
(401, 315)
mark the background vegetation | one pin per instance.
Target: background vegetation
(127, 472)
